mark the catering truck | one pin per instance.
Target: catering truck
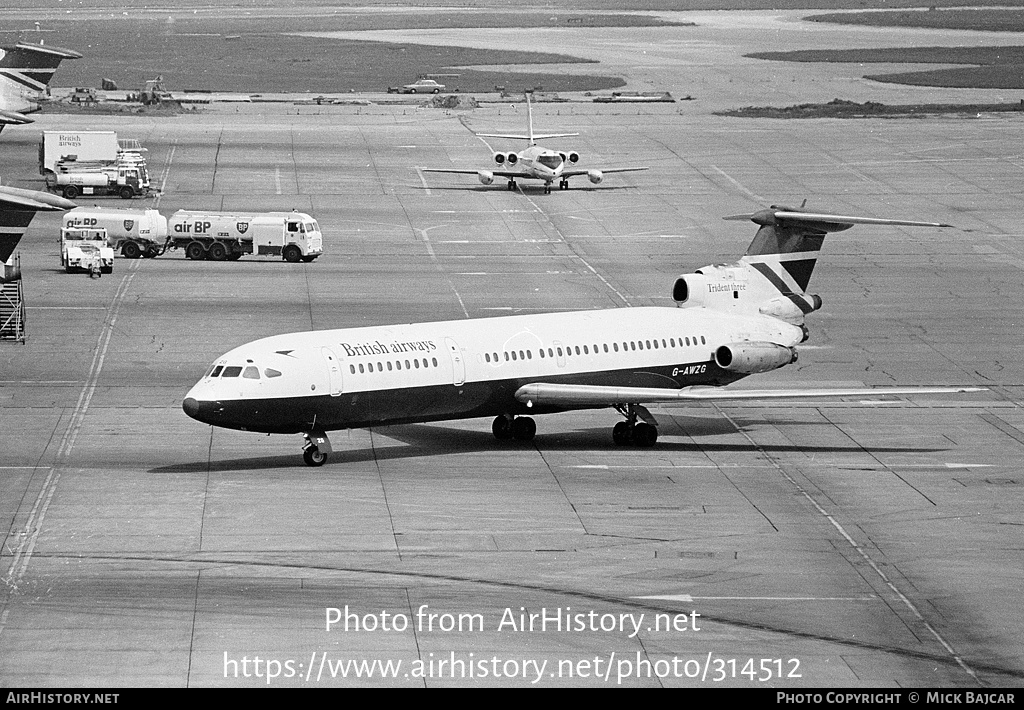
(294, 236)
(95, 163)
(133, 233)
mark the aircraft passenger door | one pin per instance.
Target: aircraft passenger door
(458, 364)
(333, 370)
(560, 357)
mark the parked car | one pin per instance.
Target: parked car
(423, 86)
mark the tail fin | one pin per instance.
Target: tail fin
(25, 71)
(785, 248)
(17, 208)
(773, 275)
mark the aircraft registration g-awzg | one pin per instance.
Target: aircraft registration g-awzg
(730, 321)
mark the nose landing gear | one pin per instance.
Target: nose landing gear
(316, 448)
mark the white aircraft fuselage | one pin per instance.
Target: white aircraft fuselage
(371, 376)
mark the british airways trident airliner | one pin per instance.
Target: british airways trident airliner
(730, 321)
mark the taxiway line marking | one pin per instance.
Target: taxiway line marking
(33, 526)
(690, 598)
(861, 552)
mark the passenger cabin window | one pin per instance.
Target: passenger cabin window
(251, 373)
(233, 371)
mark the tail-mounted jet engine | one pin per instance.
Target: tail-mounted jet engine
(502, 158)
(572, 157)
(753, 357)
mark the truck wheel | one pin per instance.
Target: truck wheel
(195, 251)
(218, 252)
(131, 250)
(127, 193)
(70, 192)
(292, 254)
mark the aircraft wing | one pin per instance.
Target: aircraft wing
(580, 171)
(542, 393)
(20, 199)
(498, 173)
(535, 137)
(12, 118)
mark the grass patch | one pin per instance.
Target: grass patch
(997, 67)
(193, 55)
(983, 20)
(839, 108)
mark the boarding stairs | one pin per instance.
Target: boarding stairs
(12, 307)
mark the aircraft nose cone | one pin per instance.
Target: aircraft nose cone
(191, 407)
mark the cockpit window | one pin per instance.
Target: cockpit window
(215, 371)
(233, 371)
(269, 372)
(550, 161)
(251, 373)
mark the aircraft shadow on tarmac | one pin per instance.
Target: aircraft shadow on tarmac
(436, 439)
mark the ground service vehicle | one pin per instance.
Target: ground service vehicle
(133, 233)
(294, 236)
(78, 163)
(86, 249)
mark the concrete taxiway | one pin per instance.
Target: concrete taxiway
(834, 544)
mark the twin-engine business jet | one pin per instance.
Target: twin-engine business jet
(731, 320)
(25, 72)
(535, 162)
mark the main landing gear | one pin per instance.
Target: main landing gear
(519, 428)
(316, 448)
(643, 433)
(511, 184)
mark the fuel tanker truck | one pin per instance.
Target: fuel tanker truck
(133, 233)
(220, 236)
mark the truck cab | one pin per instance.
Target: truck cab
(86, 249)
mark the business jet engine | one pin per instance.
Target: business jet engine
(595, 176)
(572, 157)
(510, 158)
(753, 357)
(486, 176)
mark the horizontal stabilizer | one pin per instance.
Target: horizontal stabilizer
(519, 136)
(823, 221)
(541, 393)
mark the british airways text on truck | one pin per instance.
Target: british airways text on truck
(294, 236)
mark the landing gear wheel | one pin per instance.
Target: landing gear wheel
(502, 428)
(195, 251)
(313, 456)
(621, 433)
(564, 185)
(547, 188)
(645, 435)
(511, 184)
(523, 428)
(131, 250)
(218, 252)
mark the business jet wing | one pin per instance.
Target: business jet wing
(571, 172)
(499, 173)
(542, 393)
